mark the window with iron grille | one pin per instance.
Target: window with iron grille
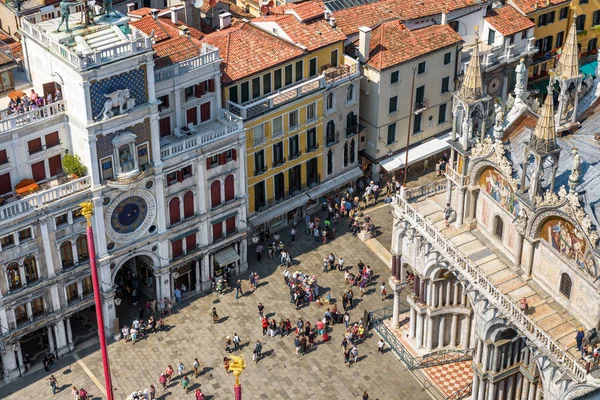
(565, 285)
(498, 227)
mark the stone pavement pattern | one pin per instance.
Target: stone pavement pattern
(320, 374)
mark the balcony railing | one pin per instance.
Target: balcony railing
(476, 279)
(80, 60)
(337, 74)
(279, 162)
(421, 105)
(295, 155)
(195, 137)
(455, 177)
(330, 140)
(312, 148)
(506, 52)
(31, 202)
(13, 121)
(208, 55)
(351, 131)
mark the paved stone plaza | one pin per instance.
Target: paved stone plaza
(320, 374)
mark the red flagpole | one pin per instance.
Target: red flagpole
(87, 212)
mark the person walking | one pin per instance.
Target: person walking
(347, 357)
(346, 319)
(365, 394)
(162, 379)
(344, 344)
(261, 310)
(259, 250)
(325, 263)
(447, 214)
(228, 344)
(579, 338)
(199, 395)
(316, 234)
(293, 234)
(383, 291)
(196, 366)
(53, 384)
(152, 392)
(303, 344)
(169, 373)
(265, 325)
(257, 351)
(380, 345)
(180, 369)
(238, 290)
(75, 393)
(341, 264)
(215, 316)
(307, 222)
(354, 354)
(185, 384)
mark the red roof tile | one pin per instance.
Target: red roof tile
(307, 10)
(176, 50)
(313, 34)
(247, 49)
(392, 43)
(529, 6)
(371, 14)
(508, 21)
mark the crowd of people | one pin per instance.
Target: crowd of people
(25, 103)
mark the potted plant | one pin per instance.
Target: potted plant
(73, 166)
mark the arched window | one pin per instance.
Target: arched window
(498, 227)
(31, 272)
(352, 151)
(174, 212)
(329, 162)
(351, 124)
(82, 249)
(215, 193)
(13, 275)
(350, 93)
(565, 285)
(188, 205)
(330, 132)
(330, 101)
(346, 154)
(229, 188)
(66, 255)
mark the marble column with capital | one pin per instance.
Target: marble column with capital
(161, 214)
(43, 223)
(420, 326)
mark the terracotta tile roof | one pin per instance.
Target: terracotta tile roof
(176, 50)
(307, 10)
(148, 24)
(392, 43)
(529, 6)
(247, 49)
(140, 12)
(313, 34)
(236, 11)
(15, 46)
(371, 14)
(508, 21)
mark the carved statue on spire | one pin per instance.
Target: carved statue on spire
(575, 170)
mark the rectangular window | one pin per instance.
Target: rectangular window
(278, 154)
(34, 146)
(395, 77)
(393, 106)
(446, 84)
(442, 113)
(5, 185)
(294, 147)
(52, 140)
(256, 87)
(288, 75)
(391, 133)
(186, 172)
(142, 154)
(311, 112)
(299, 70)
(25, 235)
(259, 134)
(190, 243)
(164, 125)
(189, 92)
(580, 22)
(418, 122)
(334, 58)
(3, 157)
(205, 112)
(422, 68)
(55, 165)
(191, 116)
(177, 248)
(293, 120)
(245, 89)
(583, 1)
(551, 17)
(164, 102)
(172, 178)
(542, 20)
(199, 90)
(277, 126)
(61, 220)
(230, 226)
(592, 45)
(564, 13)
(76, 214)
(420, 97)
(560, 37)
(259, 162)
(107, 168)
(311, 139)
(539, 44)
(233, 94)
(7, 241)
(277, 84)
(312, 67)
(259, 196)
(38, 170)
(447, 58)
(596, 18)
(547, 44)
(279, 186)
(267, 83)
(491, 37)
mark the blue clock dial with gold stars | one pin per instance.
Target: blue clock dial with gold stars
(129, 214)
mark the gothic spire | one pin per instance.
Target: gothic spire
(472, 87)
(568, 63)
(543, 138)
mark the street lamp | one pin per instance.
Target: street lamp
(87, 211)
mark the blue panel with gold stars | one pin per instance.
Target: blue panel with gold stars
(134, 80)
(129, 215)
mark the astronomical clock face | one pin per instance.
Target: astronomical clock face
(130, 215)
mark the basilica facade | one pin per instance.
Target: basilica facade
(500, 260)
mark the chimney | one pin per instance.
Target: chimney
(444, 20)
(174, 15)
(184, 31)
(130, 7)
(327, 15)
(332, 22)
(224, 20)
(154, 13)
(364, 43)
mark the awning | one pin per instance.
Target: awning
(279, 209)
(335, 183)
(589, 68)
(417, 153)
(226, 256)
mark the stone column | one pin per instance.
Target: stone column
(485, 358)
(495, 352)
(47, 247)
(198, 276)
(465, 332)
(473, 194)
(20, 358)
(527, 254)
(243, 256)
(401, 269)
(453, 330)
(482, 387)
(532, 391)
(394, 264)
(449, 192)
(441, 332)
(456, 291)
(519, 247)
(62, 346)
(178, 109)
(440, 296)
(69, 334)
(460, 208)
(9, 361)
(519, 387)
(396, 311)
(205, 272)
(504, 87)
(420, 323)
(50, 339)
(475, 386)
(538, 392)
(448, 292)
(413, 322)
(29, 310)
(510, 388)
(525, 391)
(98, 224)
(491, 395)
(509, 348)
(429, 342)
(155, 136)
(161, 214)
